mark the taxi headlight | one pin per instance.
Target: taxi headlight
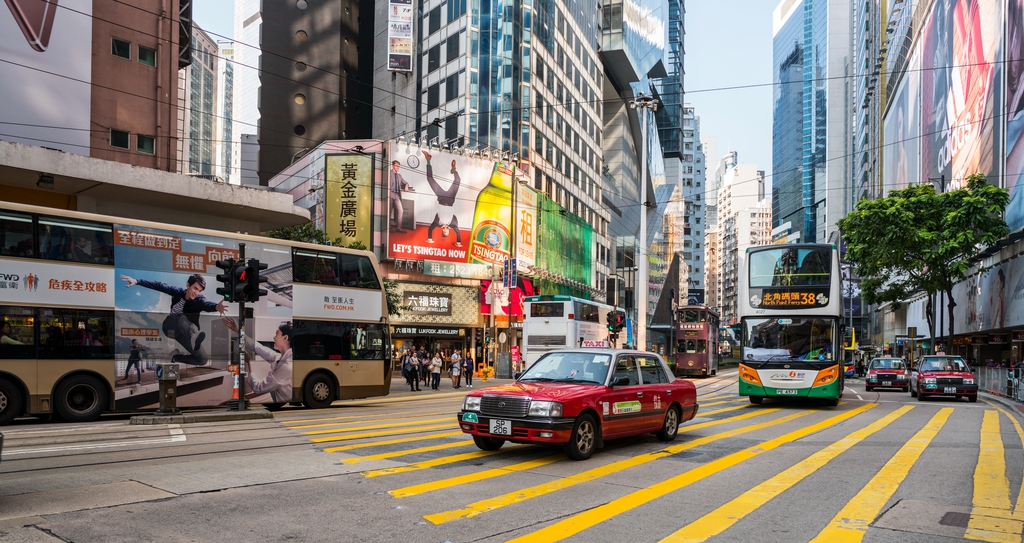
(929, 380)
(545, 409)
(471, 403)
(968, 381)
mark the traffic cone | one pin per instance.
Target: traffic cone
(234, 392)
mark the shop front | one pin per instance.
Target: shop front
(436, 318)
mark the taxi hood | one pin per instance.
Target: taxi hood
(558, 392)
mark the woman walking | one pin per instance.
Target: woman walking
(435, 371)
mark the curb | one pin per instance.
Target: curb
(187, 417)
(1013, 406)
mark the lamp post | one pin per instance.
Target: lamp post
(518, 178)
(644, 103)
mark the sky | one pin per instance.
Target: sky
(728, 43)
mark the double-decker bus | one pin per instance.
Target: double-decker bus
(560, 322)
(790, 311)
(697, 350)
(90, 304)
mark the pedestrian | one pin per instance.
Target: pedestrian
(457, 362)
(135, 359)
(468, 367)
(456, 374)
(436, 364)
(411, 371)
(424, 366)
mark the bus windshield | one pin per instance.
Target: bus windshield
(548, 310)
(795, 266)
(809, 338)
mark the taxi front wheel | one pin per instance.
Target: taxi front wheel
(488, 443)
(583, 440)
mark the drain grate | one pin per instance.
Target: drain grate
(952, 518)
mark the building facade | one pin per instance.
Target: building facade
(197, 86)
(744, 220)
(227, 151)
(246, 89)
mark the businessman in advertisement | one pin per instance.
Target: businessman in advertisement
(183, 323)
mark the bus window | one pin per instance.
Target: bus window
(587, 313)
(357, 271)
(315, 267)
(691, 346)
(76, 241)
(16, 235)
(318, 340)
(689, 316)
(547, 309)
(75, 333)
(17, 333)
(702, 346)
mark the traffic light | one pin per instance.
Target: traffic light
(227, 279)
(618, 321)
(240, 288)
(610, 319)
(254, 278)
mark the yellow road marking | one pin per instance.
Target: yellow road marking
(435, 462)
(851, 523)
(577, 523)
(473, 477)
(725, 516)
(991, 515)
(717, 411)
(375, 416)
(391, 441)
(709, 404)
(405, 423)
(405, 452)
(1018, 511)
(377, 434)
(517, 496)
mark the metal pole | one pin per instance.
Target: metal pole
(241, 405)
(643, 102)
(512, 256)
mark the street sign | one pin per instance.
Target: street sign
(502, 337)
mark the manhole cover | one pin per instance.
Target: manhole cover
(953, 518)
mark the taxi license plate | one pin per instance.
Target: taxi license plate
(786, 391)
(887, 383)
(949, 390)
(501, 427)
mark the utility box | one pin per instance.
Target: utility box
(167, 376)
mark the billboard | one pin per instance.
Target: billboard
(902, 151)
(349, 201)
(1015, 114)
(400, 35)
(451, 208)
(961, 91)
(46, 79)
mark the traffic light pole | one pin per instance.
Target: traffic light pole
(242, 404)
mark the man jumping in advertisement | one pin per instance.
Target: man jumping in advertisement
(183, 323)
(444, 215)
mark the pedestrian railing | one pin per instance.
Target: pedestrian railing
(1001, 381)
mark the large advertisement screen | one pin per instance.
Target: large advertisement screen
(961, 91)
(1015, 114)
(45, 79)
(451, 208)
(902, 152)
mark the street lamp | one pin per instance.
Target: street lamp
(643, 102)
(518, 178)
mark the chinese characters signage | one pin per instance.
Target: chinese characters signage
(400, 35)
(349, 198)
(418, 331)
(430, 303)
(438, 268)
(58, 284)
(782, 299)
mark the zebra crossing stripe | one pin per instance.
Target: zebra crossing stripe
(852, 521)
(991, 516)
(725, 516)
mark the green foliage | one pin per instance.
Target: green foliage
(308, 233)
(916, 239)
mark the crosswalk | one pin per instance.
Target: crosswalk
(857, 468)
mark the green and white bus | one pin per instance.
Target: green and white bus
(791, 320)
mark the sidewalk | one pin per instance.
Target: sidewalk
(400, 389)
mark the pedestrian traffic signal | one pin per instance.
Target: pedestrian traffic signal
(610, 319)
(254, 278)
(227, 279)
(241, 287)
(616, 320)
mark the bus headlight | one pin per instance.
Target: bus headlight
(826, 376)
(749, 375)
(471, 403)
(545, 409)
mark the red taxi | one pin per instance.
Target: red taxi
(941, 375)
(578, 398)
(887, 373)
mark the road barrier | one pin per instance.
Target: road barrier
(1002, 381)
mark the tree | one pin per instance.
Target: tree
(915, 239)
(308, 233)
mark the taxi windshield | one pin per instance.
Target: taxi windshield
(887, 364)
(589, 368)
(943, 364)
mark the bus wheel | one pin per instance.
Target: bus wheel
(81, 398)
(488, 443)
(670, 427)
(318, 392)
(756, 400)
(10, 402)
(583, 439)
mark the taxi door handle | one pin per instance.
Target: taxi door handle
(639, 394)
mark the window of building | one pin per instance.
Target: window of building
(453, 47)
(433, 58)
(434, 18)
(145, 144)
(433, 96)
(451, 127)
(451, 88)
(121, 48)
(119, 139)
(147, 56)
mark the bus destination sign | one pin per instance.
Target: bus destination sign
(789, 299)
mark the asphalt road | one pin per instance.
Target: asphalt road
(880, 467)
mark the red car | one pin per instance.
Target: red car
(941, 375)
(886, 373)
(578, 398)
